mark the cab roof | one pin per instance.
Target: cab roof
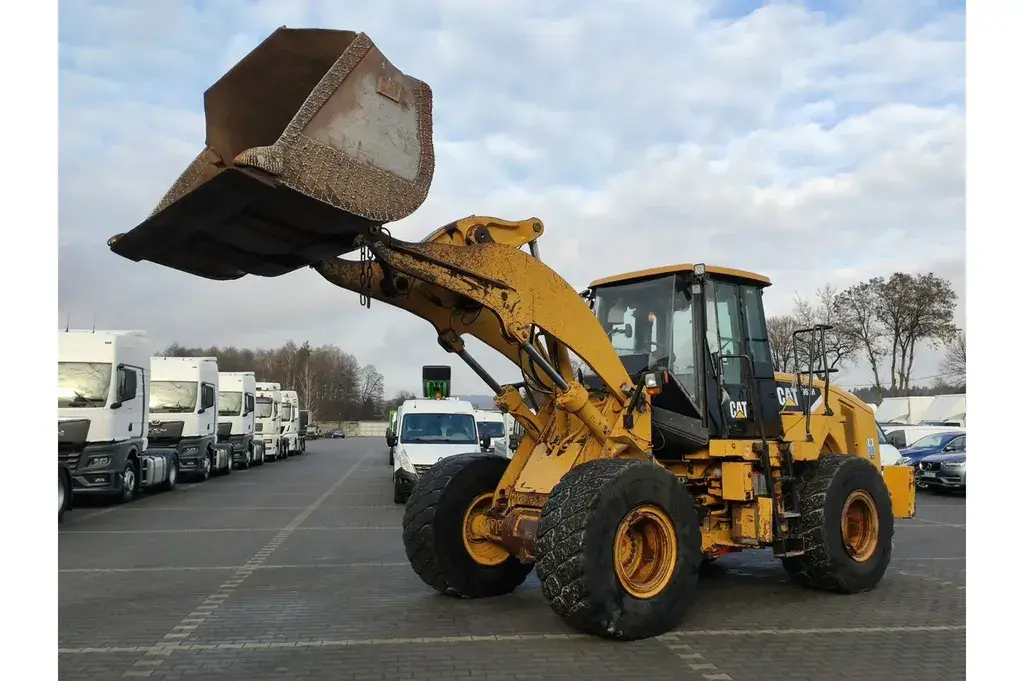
(751, 277)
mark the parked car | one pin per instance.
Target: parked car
(337, 433)
(937, 443)
(945, 471)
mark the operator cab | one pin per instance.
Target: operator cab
(703, 329)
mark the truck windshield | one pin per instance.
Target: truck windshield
(229, 404)
(286, 411)
(172, 397)
(82, 384)
(264, 407)
(438, 429)
(492, 429)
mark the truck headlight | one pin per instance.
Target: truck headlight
(191, 450)
(236, 446)
(98, 461)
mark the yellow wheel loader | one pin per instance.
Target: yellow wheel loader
(674, 443)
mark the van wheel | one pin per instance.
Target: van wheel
(129, 482)
(172, 475)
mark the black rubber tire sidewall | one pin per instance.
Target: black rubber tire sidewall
(826, 564)
(432, 528)
(577, 568)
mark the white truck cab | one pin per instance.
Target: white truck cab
(268, 420)
(427, 431)
(290, 422)
(236, 417)
(183, 413)
(494, 424)
(104, 447)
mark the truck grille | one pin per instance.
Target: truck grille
(68, 458)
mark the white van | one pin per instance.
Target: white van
(494, 424)
(427, 431)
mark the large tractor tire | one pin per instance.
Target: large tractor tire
(437, 533)
(619, 549)
(846, 524)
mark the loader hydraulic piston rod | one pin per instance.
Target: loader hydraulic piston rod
(540, 361)
(480, 371)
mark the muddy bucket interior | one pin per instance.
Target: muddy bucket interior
(311, 139)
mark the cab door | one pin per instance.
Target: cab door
(738, 341)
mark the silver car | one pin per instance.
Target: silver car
(943, 471)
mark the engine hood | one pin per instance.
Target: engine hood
(951, 457)
(428, 454)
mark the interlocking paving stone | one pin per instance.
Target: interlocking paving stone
(303, 590)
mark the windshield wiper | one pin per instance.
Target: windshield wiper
(80, 399)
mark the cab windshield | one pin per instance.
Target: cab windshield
(173, 397)
(650, 325)
(82, 384)
(264, 407)
(229, 404)
(438, 429)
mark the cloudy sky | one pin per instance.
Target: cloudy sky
(812, 141)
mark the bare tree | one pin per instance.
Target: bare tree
(841, 341)
(913, 310)
(857, 310)
(955, 361)
(780, 340)
(371, 390)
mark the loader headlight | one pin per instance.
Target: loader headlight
(903, 461)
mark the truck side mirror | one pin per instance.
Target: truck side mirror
(485, 442)
(514, 441)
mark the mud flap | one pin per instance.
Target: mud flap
(900, 482)
(312, 139)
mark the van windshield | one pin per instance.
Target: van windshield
(82, 384)
(492, 429)
(172, 397)
(438, 429)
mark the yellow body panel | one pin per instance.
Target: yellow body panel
(900, 481)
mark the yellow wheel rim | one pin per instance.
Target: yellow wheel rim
(645, 551)
(480, 548)
(860, 525)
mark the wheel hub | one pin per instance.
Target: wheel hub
(645, 551)
(860, 525)
(474, 536)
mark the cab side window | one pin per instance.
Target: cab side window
(250, 403)
(209, 396)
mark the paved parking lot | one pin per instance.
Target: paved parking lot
(296, 571)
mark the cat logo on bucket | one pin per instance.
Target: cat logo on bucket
(738, 409)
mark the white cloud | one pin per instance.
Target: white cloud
(812, 146)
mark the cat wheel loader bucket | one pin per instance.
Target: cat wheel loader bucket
(311, 139)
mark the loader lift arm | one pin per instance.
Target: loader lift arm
(472, 277)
